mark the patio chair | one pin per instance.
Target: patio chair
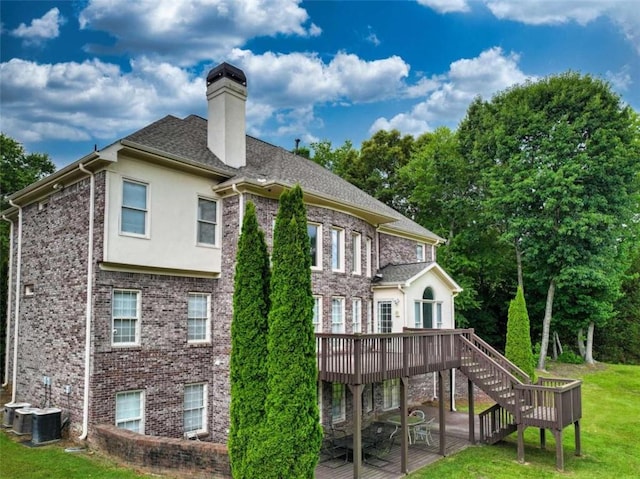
(379, 438)
(332, 447)
(418, 413)
(422, 432)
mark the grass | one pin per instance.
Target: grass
(610, 429)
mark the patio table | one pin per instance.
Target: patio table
(412, 422)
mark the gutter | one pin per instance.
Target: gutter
(16, 311)
(9, 298)
(87, 337)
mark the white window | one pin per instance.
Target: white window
(337, 249)
(207, 221)
(126, 317)
(439, 315)
(194, 413)
(356, 315)
(133, 219)
(315, 245)
(317, 314)
(424, 310)
(391, 398)
(420, 252)
(337, 315)
(129, 411)
(368, 256)
(356, 253)
(198, 317)
(385, 317)
(338, 403)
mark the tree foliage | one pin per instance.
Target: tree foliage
(518, 347)
(248, 369)
(557, 168)
(291, 435)
(18, 169)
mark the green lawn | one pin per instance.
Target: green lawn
(610, 443)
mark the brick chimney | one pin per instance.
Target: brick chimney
(226, 98)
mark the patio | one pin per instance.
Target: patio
(420, 455)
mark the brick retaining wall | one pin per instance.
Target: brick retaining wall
(194, 459)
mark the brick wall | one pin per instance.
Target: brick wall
(177, 457)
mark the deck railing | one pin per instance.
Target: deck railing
(550, 403)
(370, 358)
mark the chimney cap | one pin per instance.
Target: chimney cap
(225, 70)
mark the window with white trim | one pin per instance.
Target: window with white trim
(337, 249)
(315, 245)
(126, 317)
(198, 317)
(420, 253)
(133, 219)
(356, 253)
(426, 309)
(385, 317)
(130, 411)
(338, 403)
(317, 314)
(194, 414)
(356, 315)
(207, 221)
(391, 389)
(337, 315)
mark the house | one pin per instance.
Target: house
(121, 273)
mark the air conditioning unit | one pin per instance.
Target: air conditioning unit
(46, 425)
(22, 420)
(10, 410)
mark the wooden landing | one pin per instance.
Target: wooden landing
(420, 455)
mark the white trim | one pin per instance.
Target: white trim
(204, 409)
(317, 325)
(339, 232)
(207, 333)
(356, 253)
(216, 225)
(142, 402)
(341, 301)
(147, 209)
(138, 318)
(319, 245)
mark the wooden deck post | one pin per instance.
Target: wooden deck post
(559, 450)
(404, 412)
(576, 426)
(442, 419)
(356, 393)
(521, 442)
(543, 439)
(472, 421)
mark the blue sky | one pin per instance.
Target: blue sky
(74, 74)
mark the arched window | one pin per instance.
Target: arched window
(424, 310)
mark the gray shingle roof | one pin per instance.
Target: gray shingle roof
(187, 138)
(400, 273)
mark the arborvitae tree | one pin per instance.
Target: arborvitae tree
(248, 344)
(291, 436)
(518, 349)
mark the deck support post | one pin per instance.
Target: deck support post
(442, 419)
(356, 393)
(472, 421)
(576, 427)
(559, 450)
(404, 413)
(521, 428)
(543, 439)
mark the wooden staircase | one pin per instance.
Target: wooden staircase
(549, 404)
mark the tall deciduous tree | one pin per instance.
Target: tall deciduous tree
(18, 169)
(518, 348)
(558, 162)
(248, 369)
(291, 437)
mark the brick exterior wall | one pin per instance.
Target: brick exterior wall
(177, 457)
(52, 323)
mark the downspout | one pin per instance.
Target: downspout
(87, 337)
(16, 307)
(9, 298)
(235, 189)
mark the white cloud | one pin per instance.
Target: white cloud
(446, 6)
(188, 31)
(620, 80)
(44, 28)
(449, 95)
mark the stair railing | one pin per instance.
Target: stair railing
(500, 359)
